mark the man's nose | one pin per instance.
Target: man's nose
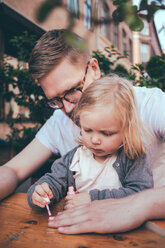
(95, 139)
(68, 107)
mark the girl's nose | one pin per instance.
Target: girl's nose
(95, 140)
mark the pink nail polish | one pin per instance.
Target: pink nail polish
(59, 213)
(51, 218)
(61, 229)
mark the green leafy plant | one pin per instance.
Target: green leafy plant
(7, 74)
(20, 137)
(147, 76)
(28, 94)
(23, 45)
(108, 59)
(158, 74)
(109, 62)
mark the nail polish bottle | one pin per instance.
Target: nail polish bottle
(71, 190)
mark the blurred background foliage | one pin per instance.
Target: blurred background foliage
(28, 94)
(140, 75)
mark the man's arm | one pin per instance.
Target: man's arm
(112, 215)
(22, 166)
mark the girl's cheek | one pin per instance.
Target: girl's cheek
(85, 142)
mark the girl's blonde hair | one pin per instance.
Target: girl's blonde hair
(118, 91)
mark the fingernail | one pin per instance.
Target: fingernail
(46, 199)
(61, 229)
(59, 213)
(51, 218)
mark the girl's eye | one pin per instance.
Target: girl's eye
(107, 133)
(87, 130)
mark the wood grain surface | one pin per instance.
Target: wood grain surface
(22, 227)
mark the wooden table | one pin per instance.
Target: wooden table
(21, 227)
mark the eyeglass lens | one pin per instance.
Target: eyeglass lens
(71, 96)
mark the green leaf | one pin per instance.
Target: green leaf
(44, 10)
(118, 2)
(128, 13)
(72, 40)
(136, 24)
(151, 11)
(118, 15)
(143, 4)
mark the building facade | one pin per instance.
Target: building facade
(93, 21)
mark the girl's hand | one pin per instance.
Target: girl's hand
(77, 199)
(42, 191)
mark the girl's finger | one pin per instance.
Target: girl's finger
(47, 190)
(38, 200)
(40, 191)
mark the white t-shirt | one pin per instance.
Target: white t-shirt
(57, 134)
(151, 105)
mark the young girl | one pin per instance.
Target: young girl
(110, 161)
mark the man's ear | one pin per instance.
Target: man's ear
(95, 72)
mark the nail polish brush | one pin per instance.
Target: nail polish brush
(47, 206)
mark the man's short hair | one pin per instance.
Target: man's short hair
(52, 48)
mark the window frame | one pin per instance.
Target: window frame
(88, 14)
(124, 41)
(144, 54)
(73, 7)
(105, 27)
(115, 35)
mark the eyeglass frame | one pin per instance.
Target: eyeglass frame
(50, 102)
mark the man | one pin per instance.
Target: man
(63, 71)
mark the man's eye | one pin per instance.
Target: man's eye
(71, 91)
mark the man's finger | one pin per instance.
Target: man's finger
(69, 218)
(83, 227)
(68, 206)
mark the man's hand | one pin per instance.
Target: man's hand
(77, 199)
(104, 216)
(42, 191)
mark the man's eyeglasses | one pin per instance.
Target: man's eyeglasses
(73, 95)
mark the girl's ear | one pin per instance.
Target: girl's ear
(95, 72)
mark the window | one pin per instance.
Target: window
(124, 41)
(105, 24)
(88, 13)
(144, 52)
(73, 7)
(2, 109)
(115, 34)
(130, 51)
(145, 30)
